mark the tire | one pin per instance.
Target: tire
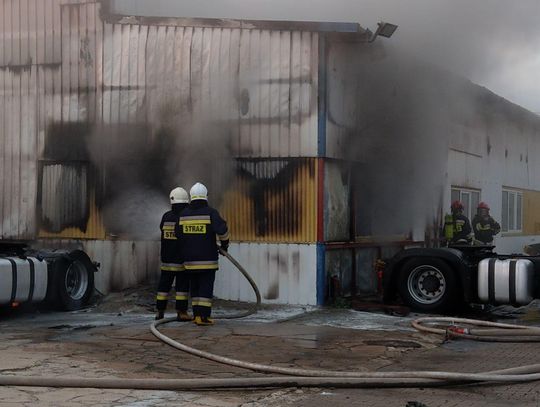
(428, 284)
(73, 281)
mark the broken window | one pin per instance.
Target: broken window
(64, 196)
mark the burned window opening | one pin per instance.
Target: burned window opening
(271, 182)
(63, 198)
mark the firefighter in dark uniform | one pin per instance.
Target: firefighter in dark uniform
(171, 260)
(484, 226)
(459, 225)
(199, 226)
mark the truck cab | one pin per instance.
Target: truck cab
(443, 279)
(60, 278)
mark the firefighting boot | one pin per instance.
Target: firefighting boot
(160, 315)
(183, 316)
(202, 321)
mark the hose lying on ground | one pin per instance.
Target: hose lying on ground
(520, 374)
(242, 270)
(295, 377)
(497, 332)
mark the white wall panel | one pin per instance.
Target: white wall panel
(124, 264)
(284, 273)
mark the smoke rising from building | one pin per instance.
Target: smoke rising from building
(492, 42)
(404, 110)
(141, 164)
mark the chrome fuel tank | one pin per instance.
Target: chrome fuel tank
(22, 280)
(506, 281)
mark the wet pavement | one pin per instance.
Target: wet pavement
(101, 343)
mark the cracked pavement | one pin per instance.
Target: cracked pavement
(99, 343)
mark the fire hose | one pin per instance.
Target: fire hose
(295, 377)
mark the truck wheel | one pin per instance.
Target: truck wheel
(73, 281)
(428, 284)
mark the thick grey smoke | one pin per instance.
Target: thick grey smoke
(403, 113)
(494, 43)
(407, 101)
(141, 164)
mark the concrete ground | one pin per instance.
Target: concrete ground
(98, 342)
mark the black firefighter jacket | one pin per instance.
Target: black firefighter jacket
(171, 257)
(199, 225)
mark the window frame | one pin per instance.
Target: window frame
(471, 210)
(517, 207)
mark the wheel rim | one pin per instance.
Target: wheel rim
(76, 281)
(426, 284)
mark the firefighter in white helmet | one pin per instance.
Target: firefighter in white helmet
(171, 258)
(199, 226)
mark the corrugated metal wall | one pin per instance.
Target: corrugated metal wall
(273, 201)
(285, 273)
(65, 74)
(61, 66)
(261, 83)
(124, 263)
(39, 84)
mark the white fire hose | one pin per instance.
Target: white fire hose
(295, 377)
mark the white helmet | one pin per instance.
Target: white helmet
(198, 191)
(179, 195)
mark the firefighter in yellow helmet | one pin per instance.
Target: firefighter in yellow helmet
(200, 224)
(172, 267)
(484, 226)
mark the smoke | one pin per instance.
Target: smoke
(492, 42)
(141, 163)
(408, 100)
(403, 112)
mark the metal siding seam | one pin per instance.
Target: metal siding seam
(294, 101)
(320, 200)
(266, 87)
(273, 80)
(82, 77)
(233, 55)
(16, 18)
(23, 28)
(321, 255)
(321, 265)
(284, 95)
(2, 113)
(73, 97)
(254, 105)
(305, 111)
(2, 152)
(17, 190)
(243, 71)
(322, 102)
(100, 27)
(7, 151)
(2, 33)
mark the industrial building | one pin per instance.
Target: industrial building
(309, 140)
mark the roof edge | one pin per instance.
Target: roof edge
(109, 16)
